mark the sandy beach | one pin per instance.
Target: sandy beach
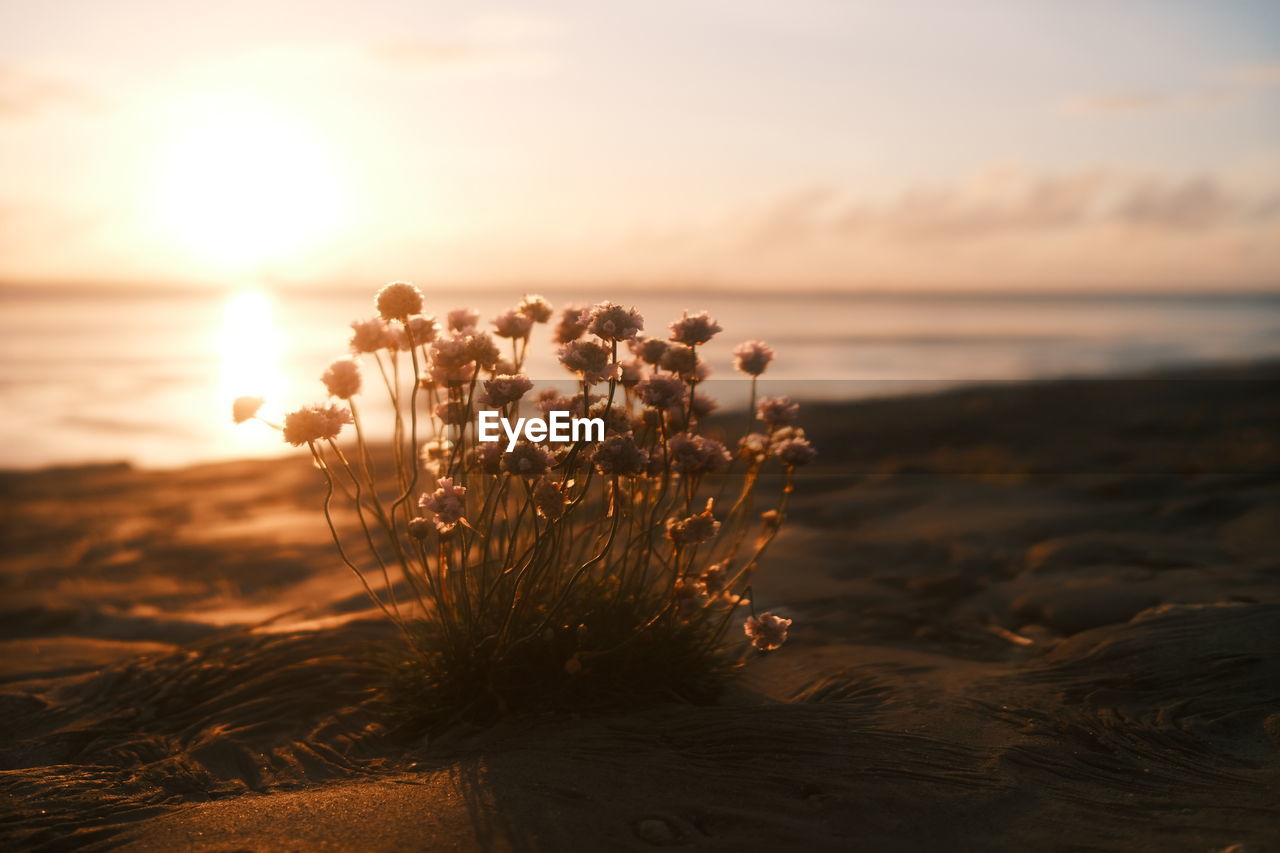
(1027, 616)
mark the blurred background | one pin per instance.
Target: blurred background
(195, 199)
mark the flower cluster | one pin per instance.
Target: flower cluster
(767, 632)
(399, 301)
(342, 379)
(694, 330)
(611, 322)
(550, 551)
(447, 503)
(504, 389)
(314, 423)
(753, 357)
(695, 528)
(620, 456)
(588, 359)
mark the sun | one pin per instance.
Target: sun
(241, 182)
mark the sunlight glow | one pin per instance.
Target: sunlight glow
(250, 348)
(242, 182)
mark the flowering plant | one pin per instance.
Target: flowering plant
(541, 573)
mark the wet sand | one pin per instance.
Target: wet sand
(1038, 616)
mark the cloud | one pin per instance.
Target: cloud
(996, 203)
(999, 204)
(1194, 203)
(24, 92)
(1099, 227)
(792, 217)
(1225, 88)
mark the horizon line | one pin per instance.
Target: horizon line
(70, 288)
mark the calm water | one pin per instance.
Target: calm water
(147, 376)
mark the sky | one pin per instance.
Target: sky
(844, 145)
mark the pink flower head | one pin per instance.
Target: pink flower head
(767, 632)
(342, 379)
(504, 389)
(487, 457)
(588, 359)
(535, 307)
(619, 456)
(694, 529)
(419, 527)
(662, 392)
(649, 350)
(688, 598)
(754, 446)
(370, 336)
(752, 357)
(696, 454)
(512, 324)
(573, 324)
(616, 420)
(482, 350)
(314, 423)
(527, 460)
(777, 411)
(694, 330)
(548, 500)
(399, 300)
(714, 580)
(447, 503)
(680, 359)
(245, 408)
(463, 319)
(423, 328)
(435, 454)
(451, 377)
(783, 433)
(451, 352)
(397, 338)
(794, 452)
(611, 322)
(451, 363)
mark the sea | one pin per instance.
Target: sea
(146, 375)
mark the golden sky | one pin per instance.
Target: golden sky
(842, 144)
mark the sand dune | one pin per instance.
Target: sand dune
(1041, 616)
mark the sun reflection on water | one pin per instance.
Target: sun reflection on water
(250, 352)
